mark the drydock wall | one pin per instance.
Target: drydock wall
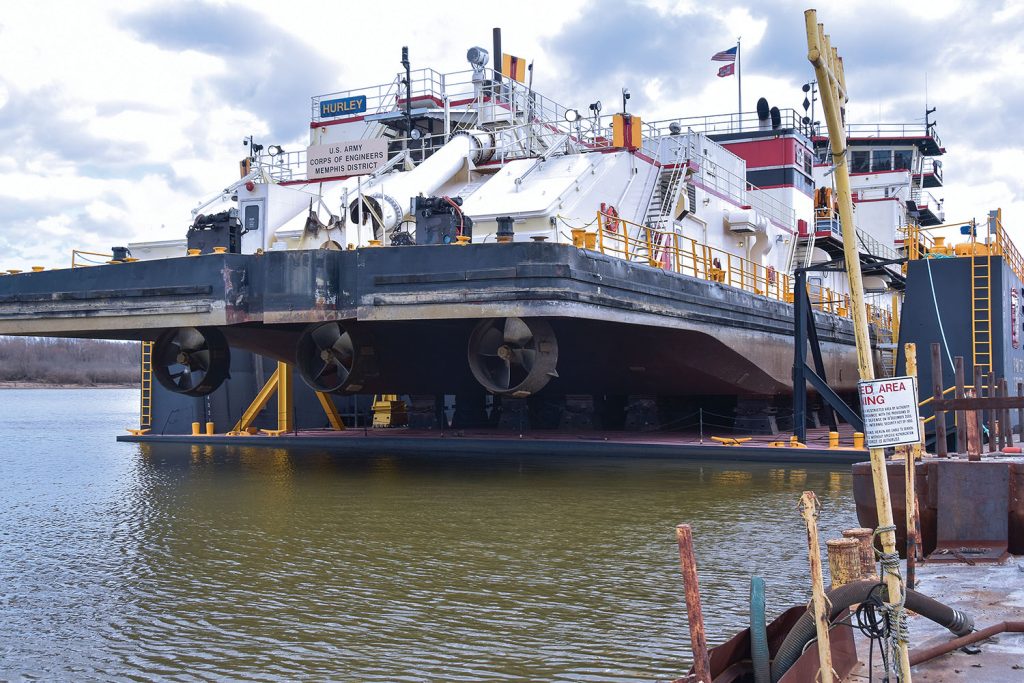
(939, 290)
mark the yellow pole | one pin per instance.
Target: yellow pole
(832, 87)
(809, 511)
(284, 397)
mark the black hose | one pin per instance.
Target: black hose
(841, 598)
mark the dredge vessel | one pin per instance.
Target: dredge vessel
(462, 235)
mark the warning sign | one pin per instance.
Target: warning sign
(346, 158)
(889, 409)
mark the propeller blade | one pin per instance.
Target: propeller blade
(185, 382)
(190, 339)
(169, 354)
(200, 359)
(517, 332)
(525, 358)
(490, 341)
(326, 335)
(343, 348)
(499, 371)
(323, 370)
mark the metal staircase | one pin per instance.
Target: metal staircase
(981, 311)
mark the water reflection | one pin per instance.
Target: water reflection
(265, 563)
(174, 563)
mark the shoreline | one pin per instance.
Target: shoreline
(57, 385)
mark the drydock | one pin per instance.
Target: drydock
(456, 264)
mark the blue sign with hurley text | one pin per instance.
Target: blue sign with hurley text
(346, 106)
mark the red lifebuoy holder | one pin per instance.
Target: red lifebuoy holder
(770, 276)
(611, 217)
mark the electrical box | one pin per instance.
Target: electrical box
(626, 131)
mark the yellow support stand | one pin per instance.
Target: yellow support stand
(281, 383)
(331, 411)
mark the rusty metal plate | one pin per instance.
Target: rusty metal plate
(973, 510)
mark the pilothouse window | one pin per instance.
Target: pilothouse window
(902, 159)
(881, 160)
(859, 162)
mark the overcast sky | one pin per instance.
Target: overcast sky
(117, 118)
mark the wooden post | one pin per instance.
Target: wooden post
(694, 615)
(1007, 430)
(979, 416)
(961, 416)
(940, 415)
(973, 431)
(809, 511)
(910, 461)
(993, 415)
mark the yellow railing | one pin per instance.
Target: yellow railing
(919, 244)
(916, 241)
(79, 260)
(667, 250)
(1001, 244)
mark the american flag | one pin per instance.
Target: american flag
(725, 55)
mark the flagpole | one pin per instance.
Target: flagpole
(739, 85)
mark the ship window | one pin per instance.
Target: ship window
(859, 163)
(902, 159)
(881, 160)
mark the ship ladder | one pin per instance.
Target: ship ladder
(146, 388)
(981, 312)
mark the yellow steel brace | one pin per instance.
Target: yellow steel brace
(281, 383)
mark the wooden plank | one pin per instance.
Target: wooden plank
(961, 416)
(991, 404)
(937, 392)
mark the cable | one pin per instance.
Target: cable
(938, 317)
(458, 210)
(873, 624)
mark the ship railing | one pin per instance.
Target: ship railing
(728, 123)
(81, 258)
(916, 242)
(891, 130)
(670, 251)
(1002, 245)
(871, 245)
(723, 182)
(929, 166)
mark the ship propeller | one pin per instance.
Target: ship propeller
(327, 357)
(513, 356)
(193, 361)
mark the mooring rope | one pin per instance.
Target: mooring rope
(896, 613)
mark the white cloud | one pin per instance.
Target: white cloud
(113, 133)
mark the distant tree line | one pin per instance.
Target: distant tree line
(68, 361)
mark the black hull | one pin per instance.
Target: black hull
(622, 327)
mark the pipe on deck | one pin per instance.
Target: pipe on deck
(920, 656)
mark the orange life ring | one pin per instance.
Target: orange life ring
(611, 217)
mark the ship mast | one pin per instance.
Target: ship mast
(828, 67)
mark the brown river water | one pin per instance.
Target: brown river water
(128, 562)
